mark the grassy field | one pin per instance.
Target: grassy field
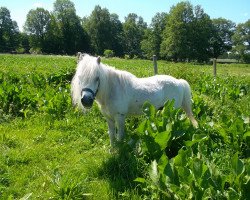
(49, 150)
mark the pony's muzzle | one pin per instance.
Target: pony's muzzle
(87, 100)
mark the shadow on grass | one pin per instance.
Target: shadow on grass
(121, 169)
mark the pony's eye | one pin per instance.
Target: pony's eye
(97, 79)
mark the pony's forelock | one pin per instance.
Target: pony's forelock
(88, 68)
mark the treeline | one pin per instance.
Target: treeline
(186, 33)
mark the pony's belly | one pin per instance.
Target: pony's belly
(135, 108)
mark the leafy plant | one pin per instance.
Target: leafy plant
(193, 172)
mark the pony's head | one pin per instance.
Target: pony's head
(86, 82)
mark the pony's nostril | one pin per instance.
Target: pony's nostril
(87, 101)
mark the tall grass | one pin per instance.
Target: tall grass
(49, 150)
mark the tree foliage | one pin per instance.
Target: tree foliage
(37, 26)
(134, 28)
(72, 34)
(152, 39)
(241, 40)
(201, 35)
(221, 41)
(9, 32)
(104, 30)
(186, 33)
(177, 33)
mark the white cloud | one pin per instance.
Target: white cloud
(245, 14)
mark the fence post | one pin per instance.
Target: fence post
(155, 64)
(214, 66)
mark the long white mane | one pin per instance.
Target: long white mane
(88, 68)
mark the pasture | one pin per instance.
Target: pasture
(49, 150)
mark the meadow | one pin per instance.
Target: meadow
(50, 150)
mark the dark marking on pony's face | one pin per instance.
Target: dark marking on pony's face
(88, 94)
(87, 99)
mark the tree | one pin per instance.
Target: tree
(36, 25)
(187, 34)
(221, 41)
(176, 44)
(134, 28)
(52, 43)
(9, 32)
(24, 42)
(72, 34)
(117, 34)
(104, 30)
(241, 41)
(201, 34)
(152, 39)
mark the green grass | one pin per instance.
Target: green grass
(55, 152)
(23, 64)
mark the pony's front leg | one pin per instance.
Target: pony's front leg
(111, 126)
(120, 120)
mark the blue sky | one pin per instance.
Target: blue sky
(236, 10)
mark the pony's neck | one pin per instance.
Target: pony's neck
(112, 81)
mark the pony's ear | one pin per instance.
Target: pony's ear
(98, 59)
(79, 56)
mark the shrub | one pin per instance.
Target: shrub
(20, 50)
(126, 56)
(108, 53)
(35, 51)
(197, 169)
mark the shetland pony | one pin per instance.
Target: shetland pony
(120, 93)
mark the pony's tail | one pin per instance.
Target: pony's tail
(187, 103)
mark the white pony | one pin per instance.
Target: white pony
(120, 93)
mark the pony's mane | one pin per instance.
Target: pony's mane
(90, 67)
(87, 66)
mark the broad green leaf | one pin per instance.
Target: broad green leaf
(181, 158)
(162, 163)
(206, 179)
(199, 168)
(247, 138)
(142, 127)
(224, 134)
(196, 138)
(149, 110)
(237, 164)
(153, 172)
(168, 108)
(163, 137)
(172, 174)
(247, 134)
(185, 175)
(140, 180)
